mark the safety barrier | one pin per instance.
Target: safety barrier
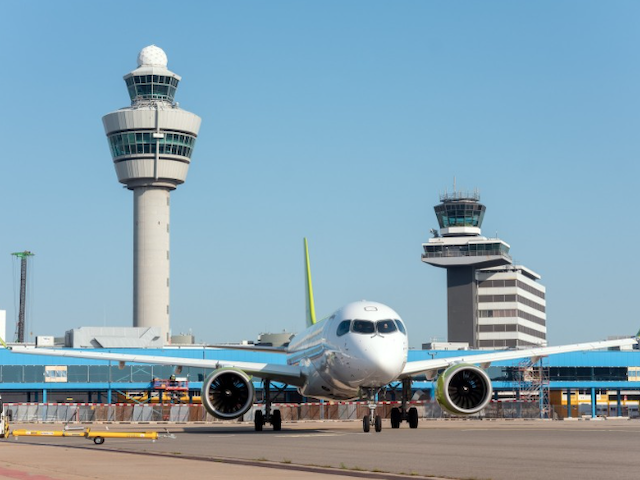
(185, 413)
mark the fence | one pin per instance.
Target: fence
(184, 413)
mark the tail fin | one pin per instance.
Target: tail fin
(311, 309)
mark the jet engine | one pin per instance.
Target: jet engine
(463, 389)
(227, 393)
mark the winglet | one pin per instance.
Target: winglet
(311, 309)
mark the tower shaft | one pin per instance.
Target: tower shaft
(151, 258)
(461, 305)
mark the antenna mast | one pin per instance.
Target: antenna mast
(23, 256)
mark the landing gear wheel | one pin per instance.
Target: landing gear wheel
(378, 423)
(366, 424)
(396, 417)
(98, 440)
(413, 417)
(276, 420)
(258, 420)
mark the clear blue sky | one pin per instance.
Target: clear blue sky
(338, 121)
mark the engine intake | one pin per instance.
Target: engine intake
(463, 389)
(227, 393)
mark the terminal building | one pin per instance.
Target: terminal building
(566, 385)
(491, 303)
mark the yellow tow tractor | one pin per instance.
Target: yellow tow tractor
(97, 437)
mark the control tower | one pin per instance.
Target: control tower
(151, 144)
(460, 248)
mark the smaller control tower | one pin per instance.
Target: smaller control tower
(461, 249)
(151, 144)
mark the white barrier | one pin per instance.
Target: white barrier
(184, 413)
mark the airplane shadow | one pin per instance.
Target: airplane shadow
(249, 430)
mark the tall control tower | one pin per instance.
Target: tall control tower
(460, 248)
(151, 144)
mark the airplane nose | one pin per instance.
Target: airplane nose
(385, 358)
(389, 363)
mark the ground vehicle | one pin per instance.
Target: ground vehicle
(4, 421)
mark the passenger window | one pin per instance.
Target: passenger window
(363, 326)
(401, 327)
(343, 327)
(386, 326)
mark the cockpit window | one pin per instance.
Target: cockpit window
(363, 326)
(386, 326)
(401, 327)
(343, 327)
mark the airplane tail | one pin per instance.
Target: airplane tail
(311, 309)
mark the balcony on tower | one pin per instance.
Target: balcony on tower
(478, 252)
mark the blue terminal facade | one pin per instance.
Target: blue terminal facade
(31, 378)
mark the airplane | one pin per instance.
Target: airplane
(354, 353)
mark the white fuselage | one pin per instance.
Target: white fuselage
(364, 344)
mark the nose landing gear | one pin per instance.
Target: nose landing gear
(371, 417)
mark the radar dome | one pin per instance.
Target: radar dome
(152, 56)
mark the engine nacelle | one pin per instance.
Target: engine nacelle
(227, 393)
(463, 389)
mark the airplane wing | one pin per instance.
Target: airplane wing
(289, 374)
(250, 348)
(432, 366)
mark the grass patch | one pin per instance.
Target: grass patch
(379, 470)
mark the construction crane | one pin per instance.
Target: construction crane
(23, 256)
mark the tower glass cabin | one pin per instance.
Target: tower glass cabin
(151, 144)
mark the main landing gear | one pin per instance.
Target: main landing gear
(402, 414)
(260, 419)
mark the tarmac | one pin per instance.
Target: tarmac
(36, 462)
(454, 449)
